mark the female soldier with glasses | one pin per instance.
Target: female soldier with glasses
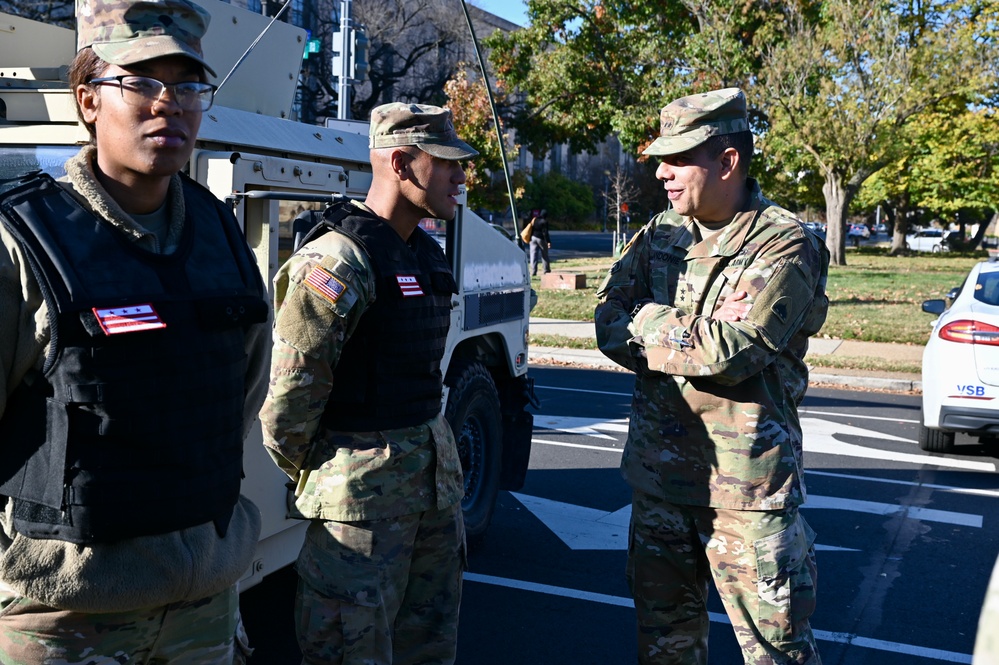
(133, 343)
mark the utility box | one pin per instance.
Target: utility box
(563, 280)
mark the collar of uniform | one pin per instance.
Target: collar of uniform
(730, 239)
(88, 190)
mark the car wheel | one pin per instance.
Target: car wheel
(473, 411)
(936, 249)
(935, 441)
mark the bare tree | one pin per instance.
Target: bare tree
(620, 195)
(414, 47)
(53, 12)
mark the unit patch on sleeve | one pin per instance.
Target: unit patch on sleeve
(409, 286)
(133, 318)
(322, 282)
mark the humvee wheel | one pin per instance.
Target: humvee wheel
(473, 411)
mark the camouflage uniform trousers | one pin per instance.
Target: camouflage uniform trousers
(202, 632)
(763, 565)
(381, 592)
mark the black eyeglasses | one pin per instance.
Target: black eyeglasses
(143, 91)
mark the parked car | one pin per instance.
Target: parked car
(929, 240)
(858, 231)
(961, 363)
(816, 227)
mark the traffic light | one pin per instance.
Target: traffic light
(356, 54)
(359, 56)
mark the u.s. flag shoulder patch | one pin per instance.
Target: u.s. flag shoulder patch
(322, 282)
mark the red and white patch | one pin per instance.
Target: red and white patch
(135, 318)
(409, 286)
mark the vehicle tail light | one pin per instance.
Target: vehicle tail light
(965, 331)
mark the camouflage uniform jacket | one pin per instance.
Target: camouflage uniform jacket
(143, 572)
(714, 417)
(343, 476)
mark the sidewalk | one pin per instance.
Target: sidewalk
(871, 380)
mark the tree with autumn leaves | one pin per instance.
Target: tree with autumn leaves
(835, 86)
(468, 100)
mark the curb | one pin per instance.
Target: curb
(596, 360)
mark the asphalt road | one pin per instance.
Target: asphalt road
(906, 540)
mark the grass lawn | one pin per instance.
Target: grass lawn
(874, 298)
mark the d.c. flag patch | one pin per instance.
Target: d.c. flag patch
(408, 285)
(322, 282)
(115, 320)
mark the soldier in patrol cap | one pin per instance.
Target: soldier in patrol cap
(712, 305)
(133, 346)
(353, 412)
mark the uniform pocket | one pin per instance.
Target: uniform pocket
(786, 580)
(336, 561)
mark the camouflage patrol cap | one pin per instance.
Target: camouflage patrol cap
(125, 32)
(427, 127)
(687, 122)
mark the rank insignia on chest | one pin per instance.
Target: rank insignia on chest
(134, 318)
(683, 296)
(322, 282)
(408, 285)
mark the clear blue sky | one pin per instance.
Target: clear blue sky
(511, 10)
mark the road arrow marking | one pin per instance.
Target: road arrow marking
(579, 527)
(584, 426)
(582, 528)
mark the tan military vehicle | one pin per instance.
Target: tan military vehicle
(271, 169)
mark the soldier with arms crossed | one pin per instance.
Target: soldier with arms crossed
(711, 305)
(353, 413)
(133, 346)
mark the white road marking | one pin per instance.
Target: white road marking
(994, 494)
(820, 437)
(856, 415)
(877, 508)
(715, 617)
(581, 390)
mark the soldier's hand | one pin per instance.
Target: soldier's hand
(734, 308)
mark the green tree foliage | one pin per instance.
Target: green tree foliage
(566, 201)
(951, 168)
(595, 67)
(832, 84)
(588, 69)
(840, 91)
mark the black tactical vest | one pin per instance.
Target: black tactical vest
(389, 373)
(134, 425)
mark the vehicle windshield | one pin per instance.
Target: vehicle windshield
(17, 160)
